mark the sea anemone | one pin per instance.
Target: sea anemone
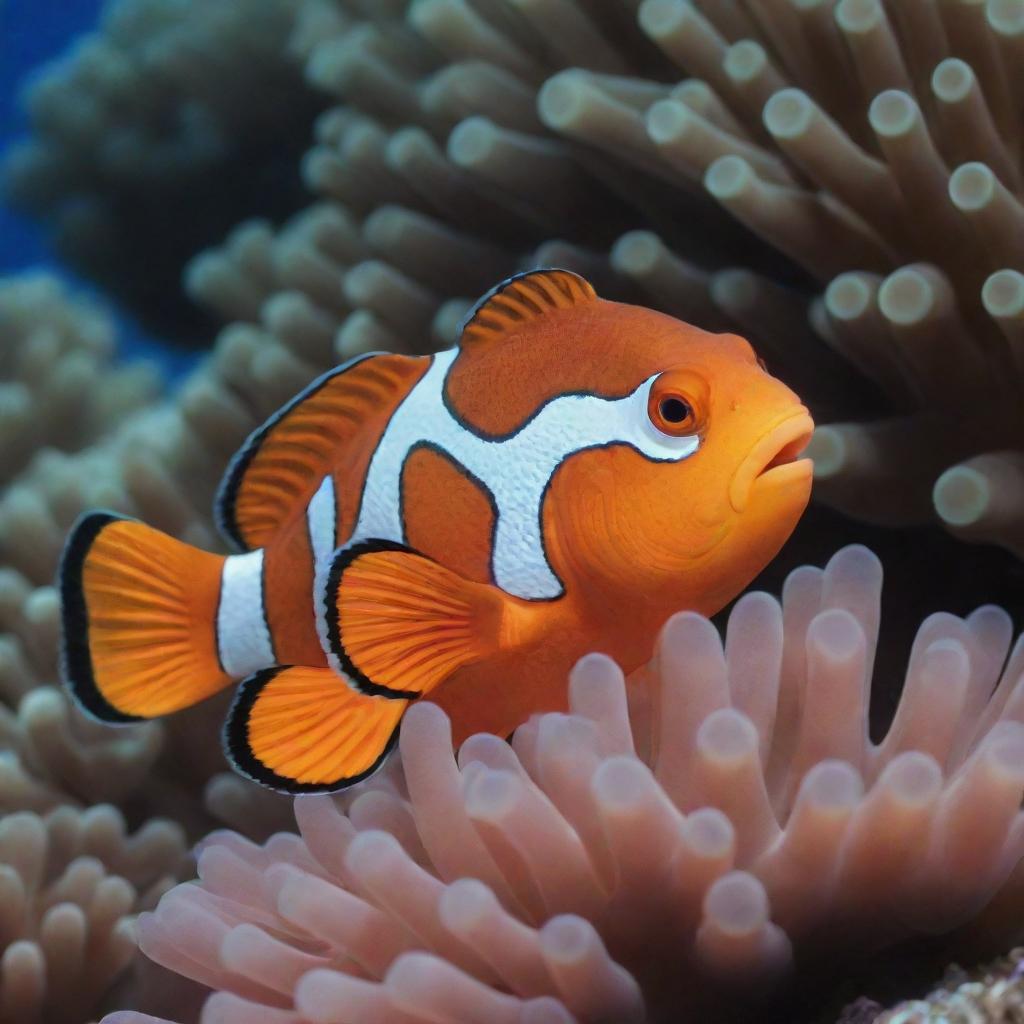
(671, 848)
(402, 234)
(874, 148)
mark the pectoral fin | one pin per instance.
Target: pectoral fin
(399, 623)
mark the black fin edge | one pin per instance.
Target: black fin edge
(238, 751)
(75, 656)
(342, 560)
(227, 491)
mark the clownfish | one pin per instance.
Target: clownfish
(461, 527)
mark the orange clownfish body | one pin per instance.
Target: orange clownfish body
(461, 527)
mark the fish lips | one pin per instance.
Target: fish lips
(775, 457)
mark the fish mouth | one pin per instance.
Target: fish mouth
(775, 457)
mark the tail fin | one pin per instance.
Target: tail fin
(139, 614)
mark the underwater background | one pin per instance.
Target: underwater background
(30, 33)
(206, 203)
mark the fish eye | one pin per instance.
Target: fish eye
(672, 412)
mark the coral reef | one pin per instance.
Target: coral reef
(876, 147)
(71, 883)
(991, 995)
(78, 430)
(60, 392)
(157, 133)
(669, 849)
(58, 385)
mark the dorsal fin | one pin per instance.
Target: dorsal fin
(280, 466)
(520, 299)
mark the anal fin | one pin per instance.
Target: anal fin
(400, 623)
(305, 730)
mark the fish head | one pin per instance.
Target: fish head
(707, 485)
(668, 455)
(749, 483)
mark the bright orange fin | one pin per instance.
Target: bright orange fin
(280, 466)
(521, 298)
(139, 613)
(402, 623)
(305, 730)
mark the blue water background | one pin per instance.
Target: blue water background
(33, 32)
